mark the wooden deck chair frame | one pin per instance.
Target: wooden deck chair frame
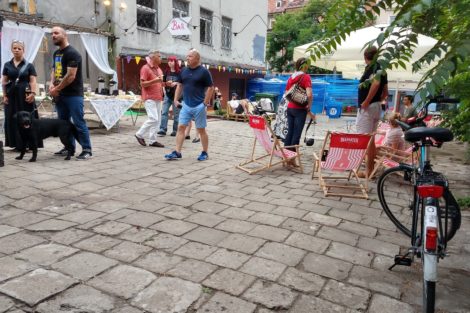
(354, 144)
(388, 157)
(231, 115)
(276, 154)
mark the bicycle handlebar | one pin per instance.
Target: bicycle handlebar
(444, 100)
(403, 125)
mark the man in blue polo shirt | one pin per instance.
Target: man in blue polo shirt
(195, 83)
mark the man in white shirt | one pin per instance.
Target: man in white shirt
(238, 106)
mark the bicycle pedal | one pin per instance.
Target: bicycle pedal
(403, 260)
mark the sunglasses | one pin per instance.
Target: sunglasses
(21, 42)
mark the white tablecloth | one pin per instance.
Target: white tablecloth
(110, 110)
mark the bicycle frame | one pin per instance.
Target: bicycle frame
(429, 234)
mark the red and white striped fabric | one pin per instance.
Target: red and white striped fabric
(263, 136)
(287, 153)
(264, 139)
(389, 163)
(381, 131)
(346, 151)
(342, 160)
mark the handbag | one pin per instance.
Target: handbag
(11, 83)
(297, 94)
(309, 141)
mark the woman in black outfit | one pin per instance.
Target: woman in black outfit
(19, 85)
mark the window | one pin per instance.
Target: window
(205, 27)
(278, 3)
(271, 23)
(147, 14)
(391, 19)
(180, 9)
(226, 33)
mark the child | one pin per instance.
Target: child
(394, 136)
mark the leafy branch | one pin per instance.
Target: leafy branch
(398, 41)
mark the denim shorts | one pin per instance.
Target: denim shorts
(198, 114)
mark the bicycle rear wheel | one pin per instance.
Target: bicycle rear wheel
(429, 296)
(396, 195)
(454, 218)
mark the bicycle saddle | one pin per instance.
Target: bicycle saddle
(439, 134)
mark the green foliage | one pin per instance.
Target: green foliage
(464, 203)
(291, 30)
(397, 45)
(459, 120)
(221, 112)
(446, 20)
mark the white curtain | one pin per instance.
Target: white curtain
(97, 48)
(31, 35)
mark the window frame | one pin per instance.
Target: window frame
(208, 23)
(142, 8)
(227, 28)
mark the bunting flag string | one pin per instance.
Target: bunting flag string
(218, 67)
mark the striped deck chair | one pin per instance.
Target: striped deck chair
(380, 133)
(273, 152)
(342, 153)
(388, 157)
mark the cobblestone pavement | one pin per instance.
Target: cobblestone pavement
(129, 232)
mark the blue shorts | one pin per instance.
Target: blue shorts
(198, 114)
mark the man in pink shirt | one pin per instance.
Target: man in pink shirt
(151, 81)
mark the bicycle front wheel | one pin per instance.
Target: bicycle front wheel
(396, 194)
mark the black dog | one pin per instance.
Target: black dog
(32, 131)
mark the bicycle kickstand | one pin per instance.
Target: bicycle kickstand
(402, 260)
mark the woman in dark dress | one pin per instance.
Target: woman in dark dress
(19, 84)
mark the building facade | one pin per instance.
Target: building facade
(276, 7)
(230, 35)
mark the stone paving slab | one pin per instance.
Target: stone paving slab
(129, 232)
(221, 302)
(84, 265)
(80, 297)
(45, 254)
(12, 267)
(36, 286)
(124, 281)
(5, 303)
(168, 294)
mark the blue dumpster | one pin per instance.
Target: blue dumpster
(319, 95)
(333, 109)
